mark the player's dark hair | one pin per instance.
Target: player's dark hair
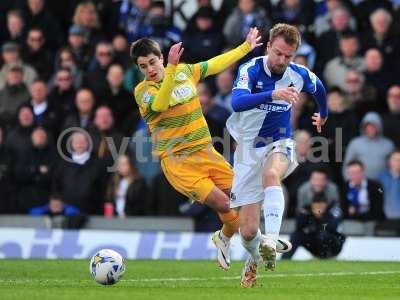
(144, 47)
(355, 162)
(289, 33)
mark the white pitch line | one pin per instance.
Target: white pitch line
(263, 276)
(209, 278)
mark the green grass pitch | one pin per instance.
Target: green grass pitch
(70, 279)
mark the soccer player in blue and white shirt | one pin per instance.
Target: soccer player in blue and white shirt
(262, 98)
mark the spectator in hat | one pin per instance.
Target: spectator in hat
(13, 94)
(11, 56)
(77, 43)
(371, 147)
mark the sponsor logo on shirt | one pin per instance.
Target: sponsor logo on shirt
(274, 107)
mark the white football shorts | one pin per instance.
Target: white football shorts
(247, 185)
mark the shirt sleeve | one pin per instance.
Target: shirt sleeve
(246, 76)
(314, 86)
(144, 97)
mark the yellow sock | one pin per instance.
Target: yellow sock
(231, 222)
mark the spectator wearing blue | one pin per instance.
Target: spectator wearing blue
(159, 28)
(132, 17)
(390, 180)
(363, 197)
(55, 207)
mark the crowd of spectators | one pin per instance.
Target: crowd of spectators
(71, 136)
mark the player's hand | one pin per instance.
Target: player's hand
(253, 38)
(175, 53)
(318, 121)
(288, 94)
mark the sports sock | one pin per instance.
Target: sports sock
(274, 205)
(252, 245)
(230, 222)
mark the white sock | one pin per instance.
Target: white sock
(252, 245)
(274, 205)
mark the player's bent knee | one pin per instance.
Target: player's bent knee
(248, 232)
(270, 177)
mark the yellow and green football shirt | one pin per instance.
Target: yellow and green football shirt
(182, 128)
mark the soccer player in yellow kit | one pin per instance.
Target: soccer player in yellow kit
(168, 101)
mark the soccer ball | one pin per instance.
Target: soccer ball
(107, 267)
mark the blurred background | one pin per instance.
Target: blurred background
(66, 82)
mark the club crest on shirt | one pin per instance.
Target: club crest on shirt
(146, 97)
(243, 81)
(181, 76)
(259, 85)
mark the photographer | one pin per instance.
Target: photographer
(317, 229)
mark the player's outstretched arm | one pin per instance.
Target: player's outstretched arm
(221, 62)
(161, 101)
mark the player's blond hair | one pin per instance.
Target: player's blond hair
(289, 33)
